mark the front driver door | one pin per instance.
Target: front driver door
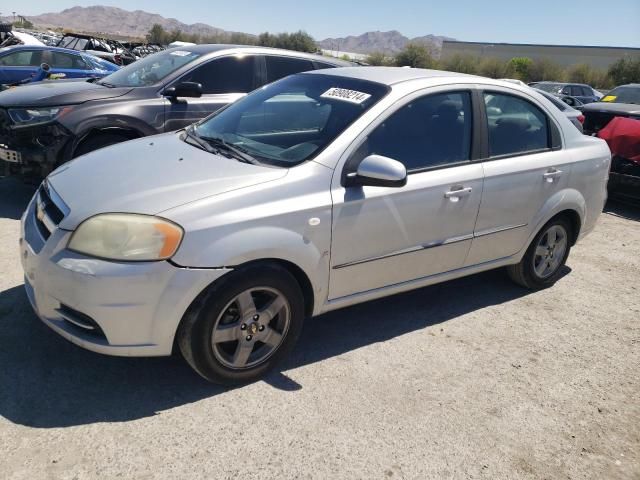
(224, 80)
(384, 236)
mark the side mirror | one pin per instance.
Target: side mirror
(184, 89)
(378, 171)
(45, 66)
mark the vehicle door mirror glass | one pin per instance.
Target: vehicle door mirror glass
(184, 89)
(378, 171)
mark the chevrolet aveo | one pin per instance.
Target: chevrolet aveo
(313, 193)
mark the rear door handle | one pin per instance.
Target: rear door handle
(456, 192)
(551, 174)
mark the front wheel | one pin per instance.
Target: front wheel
(244, 325)
(542, 264)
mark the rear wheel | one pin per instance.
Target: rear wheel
(542, 264)
(244, 325)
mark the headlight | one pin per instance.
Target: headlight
(127, 237)
(33, 116)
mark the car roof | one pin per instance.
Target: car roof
(40, 47)
(215, 47)
(390, 75)
(564, 83)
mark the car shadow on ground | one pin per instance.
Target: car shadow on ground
(14, 196)
(624, 210)
(47, 382)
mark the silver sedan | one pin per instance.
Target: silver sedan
(314, 193)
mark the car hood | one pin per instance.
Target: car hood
(624, 108)
(148, 176)
(58, 92)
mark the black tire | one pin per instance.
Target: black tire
(524, 273)
(95, 142)
(194, 336)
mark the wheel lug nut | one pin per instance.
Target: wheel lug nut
(261, 328)
(249, 337)
(256, 317)
(243, 326)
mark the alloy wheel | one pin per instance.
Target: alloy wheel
(550, 251)
(251, 328)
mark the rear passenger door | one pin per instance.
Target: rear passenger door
(224, 80)
(70, 65)
(524, 166)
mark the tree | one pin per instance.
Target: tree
(520, 68)
(300, 41)
(157, 34)
(625, 70)
(492, 68)
(545, 69)
(379, 59)
(461, 64)
(416, 56)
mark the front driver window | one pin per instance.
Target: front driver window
(431, 131)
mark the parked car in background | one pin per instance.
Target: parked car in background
(582, 92)
(575, 116)
(110, 50)
(22, 62)
(622, 102)
(159, 93)
(314, 193)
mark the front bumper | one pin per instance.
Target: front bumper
(32, 150)
(137, 306)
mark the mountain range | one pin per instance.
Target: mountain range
(123, 23)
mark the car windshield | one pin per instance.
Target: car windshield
(150, 70)
(292, 120)
(626, 94)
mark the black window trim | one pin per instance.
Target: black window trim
(552, 128)
(476, 136)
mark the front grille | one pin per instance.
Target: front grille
(48, 214)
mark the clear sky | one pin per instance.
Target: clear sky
(572, 22)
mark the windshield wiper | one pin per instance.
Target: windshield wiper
(106, 84)
(193, 139)
(236, 152)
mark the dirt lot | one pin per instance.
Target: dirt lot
(474, 378)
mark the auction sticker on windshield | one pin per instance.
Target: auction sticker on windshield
(352, 96)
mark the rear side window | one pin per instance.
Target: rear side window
(23, 58)
(67, 60)
(515, 125)
(233, 74)
(431, 131)
(280, 67)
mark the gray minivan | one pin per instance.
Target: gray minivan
(46, 124)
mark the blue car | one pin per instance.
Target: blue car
(23, 62)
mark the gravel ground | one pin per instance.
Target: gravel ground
(473, 378)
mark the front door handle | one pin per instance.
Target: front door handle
(456, 192)
(552, 174)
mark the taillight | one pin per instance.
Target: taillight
(581, 119)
